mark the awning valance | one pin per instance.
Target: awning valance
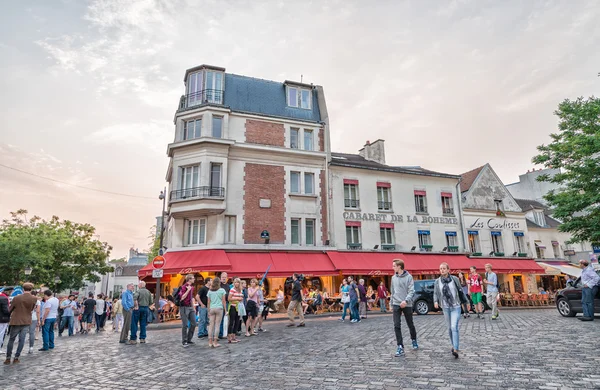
(192, 261)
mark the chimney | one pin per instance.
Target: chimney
(374, 151)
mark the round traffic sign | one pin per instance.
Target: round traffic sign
(158, 262)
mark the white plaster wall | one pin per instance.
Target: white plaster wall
(481, 221)
(302, 206)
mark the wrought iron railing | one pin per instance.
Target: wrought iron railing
(351, 203)
(388, 247)
(205, 96)
(198, 192)
(386, 206)
(447, 211)
(355, 246)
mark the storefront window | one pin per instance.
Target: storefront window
(518, 283)
(474, 241)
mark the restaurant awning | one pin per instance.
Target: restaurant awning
(185, 262)
(283, 264)
(563, 268)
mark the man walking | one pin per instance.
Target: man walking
(68, 319)
(142, 300)
(354, 294)
(590, 282)
(362, 299)
(296, 302)
(202, 298)
(225, 287)
(382, 296)
(402, 292)
(475, 290)
(491, 283)
(20, 320)
(186, 311)
(100, 313)
(127, 302)
(89, 308)
(48, 320)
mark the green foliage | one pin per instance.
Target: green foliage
(575, 149)
(154, 244)
(53, 248)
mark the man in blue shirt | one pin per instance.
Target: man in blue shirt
(68, 306)
(590, 282)
(491, 284)
(127, 302)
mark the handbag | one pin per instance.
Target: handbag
(241, 309)
(461, 293)
(345, 297)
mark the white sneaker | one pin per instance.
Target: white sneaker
(30, 349)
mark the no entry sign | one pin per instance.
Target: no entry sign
(158, 262)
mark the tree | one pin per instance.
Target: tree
(52, 249)
(575, 150)
(154, 244)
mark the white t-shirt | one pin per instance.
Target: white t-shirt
(34, 312)
(100, 306)
(52, 303)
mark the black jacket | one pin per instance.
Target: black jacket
(4, 310)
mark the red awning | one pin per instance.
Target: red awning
(254, 264)
(351, 181)
(185, 262)
(507, 266)
(384, 184)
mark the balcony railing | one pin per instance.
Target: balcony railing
(384, 206)
(198, 192)
(447, 211)
(205, 96)
(388, 247)
(421, 209)
(351, 203)
(355, 246)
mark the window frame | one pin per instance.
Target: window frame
(348, 201)
(312, 235)
(202, 223)
(556, 250)
(424, 239)
(211, 183)
(353, 230)
(230, 229)
(418, 199)
(196, 130)
(474, 243)
(497, 242)
(221, 120)
(387, 233)
(311, 138)
(299, 182)
(381, 202)
(298, 228)
(520, 244)
(311, 176)
(183, 177)
(297, 98)
(447, 206)
(295, 130)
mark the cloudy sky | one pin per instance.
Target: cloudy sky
(90, 88)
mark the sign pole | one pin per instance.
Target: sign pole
(163, 197)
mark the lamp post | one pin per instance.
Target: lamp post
(56, 282)
(28, 270)
(163, 197)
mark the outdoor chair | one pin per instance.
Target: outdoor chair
(516, 300)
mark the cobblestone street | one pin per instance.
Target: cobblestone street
(524, 349)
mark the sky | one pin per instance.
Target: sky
(90, 88)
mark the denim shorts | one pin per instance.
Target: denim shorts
(87, 317)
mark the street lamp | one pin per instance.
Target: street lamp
(162, 196)
(28, 270)
(56, 282)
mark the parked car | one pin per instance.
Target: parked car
(423, 300)
(568, 300)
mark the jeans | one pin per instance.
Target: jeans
(354, 310)
(118, 322)
(126, 325)
(295, 306)
(140, 317)
(222, 322)
(99, 321)
(202, 321)
(587, 300)
(188, 323)
(452, 316)
(382, 307)
(408, 315)
(48, 333)
(32, 329)
(215, 322)
(67, 320)
(346, 307)
(492, 301)
(234, 321)
(16, 330)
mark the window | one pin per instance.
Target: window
(387, 235)
(118, 271)
(194, 87)
(298, 97)
(474, 246)
(539, 218)
(295, 182)
(230, 224)
(424, 240)
(213, 87)
(353, 237)
(451, 242)
(308, 140)
(497, 245)
(196, 231)
(295, 231)
(421, 202)
(520, 242)
(193, 129)
(190, 181)
(351, 196)
(215, 179)
(539, 250)
(499, 207)
(384, 201)
(294, 138)
(556, 249)
(309, 183)
(310, 232)
(217, 126)
(447, 207)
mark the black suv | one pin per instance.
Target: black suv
(423, 300)
(568, 300)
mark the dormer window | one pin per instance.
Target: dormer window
(299, 97)
(539, 218)
(204, 86)
(499, 208)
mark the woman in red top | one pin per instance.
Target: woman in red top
(235, 296)
(382, 295)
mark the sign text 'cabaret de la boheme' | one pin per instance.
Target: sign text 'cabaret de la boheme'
(350, 216)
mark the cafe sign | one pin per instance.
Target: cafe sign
(350, 216)
(494, 223)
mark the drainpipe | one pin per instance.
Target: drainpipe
(460, 214)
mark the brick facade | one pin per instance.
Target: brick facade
(264, 182)
(321, 140)
(324, 199)
(265, 133)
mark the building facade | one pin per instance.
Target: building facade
(528, 186)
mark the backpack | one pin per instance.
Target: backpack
(497, 281)
(177, 296)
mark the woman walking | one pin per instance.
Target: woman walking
(117, 309)
(235, 297)
(345, 290)
(465, 289)
(252, 308)
(216, 304)
(448, 294)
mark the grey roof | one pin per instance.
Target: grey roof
(357, 161)
(528, 204)
(130, 270)
(140, 259)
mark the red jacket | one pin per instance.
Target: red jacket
(381, 292)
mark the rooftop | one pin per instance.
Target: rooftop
(468, 178)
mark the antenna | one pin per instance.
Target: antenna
(302, 76)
